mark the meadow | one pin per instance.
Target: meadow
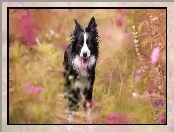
(130, 84)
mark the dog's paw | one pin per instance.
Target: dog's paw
(70, 118)
(88, 116)
(88, 119)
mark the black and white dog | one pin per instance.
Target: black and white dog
(80, 61)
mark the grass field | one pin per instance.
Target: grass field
(130, 85)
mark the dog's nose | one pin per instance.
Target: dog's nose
(84, 54)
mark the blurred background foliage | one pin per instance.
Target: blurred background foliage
(130, 85)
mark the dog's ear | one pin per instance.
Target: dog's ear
(92, 27)
(77, 28)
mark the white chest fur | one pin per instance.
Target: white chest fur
(78, 66)
(82, 79)
(82, 82)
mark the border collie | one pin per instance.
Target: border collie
(79, 62)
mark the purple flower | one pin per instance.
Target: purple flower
(161, 118)
(155, 55)
(119, 22)
(127, 34)
(21, 12)
(113, 115)
(137, 75)
(150, 90)
(138, 71)
(26, 27)
(137, 78)
(63, 47)
(30, 89)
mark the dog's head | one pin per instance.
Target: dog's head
(85, 41)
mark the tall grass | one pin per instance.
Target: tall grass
(123, 93)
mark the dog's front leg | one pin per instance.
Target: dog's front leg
(88, 115)
(88, 104)
(70, 117)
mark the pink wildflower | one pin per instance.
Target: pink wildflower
(150, 91)
(137, 78)
(155, 55)
(119, 22)
(138, 72)
(162, 118)
(126, 34)
(63, 47)
(113, 115)
(21, 12)
(26, 27)
(137, 75)
(30, 89)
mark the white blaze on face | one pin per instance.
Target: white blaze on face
(80, 62)
(85, 48)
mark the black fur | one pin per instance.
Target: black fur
(70, 74)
